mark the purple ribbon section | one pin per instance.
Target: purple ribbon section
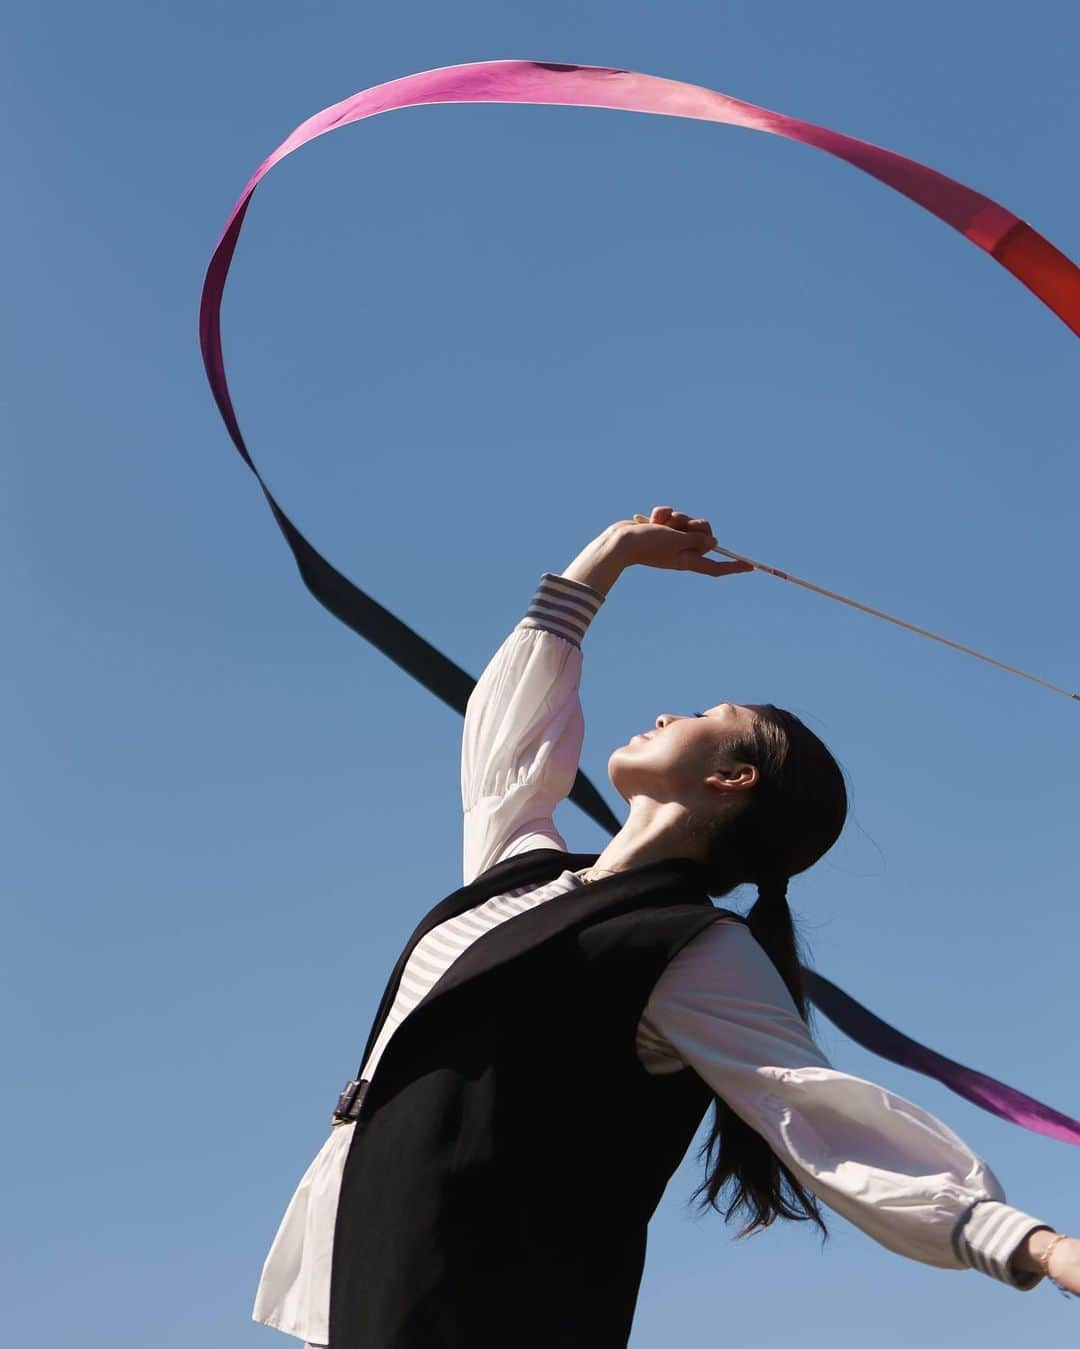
(1035, 262)
(886, 1041)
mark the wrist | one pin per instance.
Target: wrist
(1030, 1255)
(601, 562)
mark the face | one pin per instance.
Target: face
(679, 759)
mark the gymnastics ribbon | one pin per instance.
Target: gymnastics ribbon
(1033, 260)
(888, 1043)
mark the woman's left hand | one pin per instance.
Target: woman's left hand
(1064, 1265)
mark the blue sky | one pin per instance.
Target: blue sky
(461, 341)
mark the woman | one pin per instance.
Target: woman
(555, 1030)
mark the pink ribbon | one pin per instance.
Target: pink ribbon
(1048, 273)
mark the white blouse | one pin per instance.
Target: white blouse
(720, 1007)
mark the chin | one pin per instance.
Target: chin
(615, 776)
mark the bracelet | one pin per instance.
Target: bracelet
(1043, 1261)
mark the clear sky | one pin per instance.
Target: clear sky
(462, 340)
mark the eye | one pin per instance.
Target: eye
(699, 714)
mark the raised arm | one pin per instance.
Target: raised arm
(524, 726)
(888, 1166)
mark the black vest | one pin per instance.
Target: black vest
(511, 1148)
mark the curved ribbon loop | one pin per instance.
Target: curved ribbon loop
(1033, 260)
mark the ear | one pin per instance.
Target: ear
(735, 777)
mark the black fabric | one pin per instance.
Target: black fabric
(511, 1149)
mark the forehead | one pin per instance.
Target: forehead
(732, 715)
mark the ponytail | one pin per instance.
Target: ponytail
(771, 925)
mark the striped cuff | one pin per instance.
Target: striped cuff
(988, 1235)
(563, 607)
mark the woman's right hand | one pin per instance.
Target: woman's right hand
(674, 541)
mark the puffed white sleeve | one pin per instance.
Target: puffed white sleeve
(524, 728)
(886, 1165)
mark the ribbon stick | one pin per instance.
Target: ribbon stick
(879, 613)
(1051, 276)
(900, 623)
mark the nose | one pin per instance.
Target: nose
(665, 719)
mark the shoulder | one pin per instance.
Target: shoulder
(723, 958)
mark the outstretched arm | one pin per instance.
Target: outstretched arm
(885, 1164)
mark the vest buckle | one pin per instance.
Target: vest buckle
(350, 1100)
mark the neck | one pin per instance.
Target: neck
(654, 831)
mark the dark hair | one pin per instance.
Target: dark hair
(795, 814)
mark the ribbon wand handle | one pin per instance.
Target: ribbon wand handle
(889, 618)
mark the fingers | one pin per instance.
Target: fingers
(707, 567)
(665, 515)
